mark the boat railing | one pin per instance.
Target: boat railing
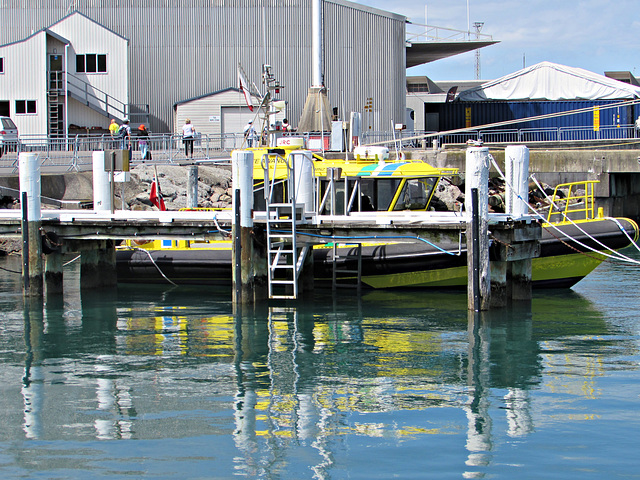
(573, 200)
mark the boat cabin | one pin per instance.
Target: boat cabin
(344, 186)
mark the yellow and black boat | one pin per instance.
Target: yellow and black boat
(374, 186)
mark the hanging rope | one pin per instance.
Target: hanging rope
(154, 264)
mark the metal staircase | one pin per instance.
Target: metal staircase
(286, 255)
(90, 96)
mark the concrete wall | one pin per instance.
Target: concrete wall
(618, 172)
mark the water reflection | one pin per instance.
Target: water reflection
(151, 363)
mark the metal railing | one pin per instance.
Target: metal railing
(422, 138)
(433, 33)
(76, 153)
(92, 95)
(578, 199)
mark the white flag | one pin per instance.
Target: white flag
(244, 86)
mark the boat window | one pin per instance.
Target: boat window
(415, 194)
(385, 191)
(339, 197)
(259, 204)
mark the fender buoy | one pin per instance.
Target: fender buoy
(139, 242)
(50, 242)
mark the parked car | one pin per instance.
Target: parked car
(8, 135)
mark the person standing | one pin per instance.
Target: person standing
(143, 142)
(250, 134)
(113, 130)
(124, 133)
(113, 127)
(188, 136)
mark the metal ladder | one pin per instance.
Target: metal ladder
(285, 256)
(345, 277)
(54, 104)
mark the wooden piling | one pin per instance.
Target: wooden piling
(98, 264)
(249, 260)
(192, 187)
(53, 276)
(29, 171)
(476, 205)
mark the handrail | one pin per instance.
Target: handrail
(574, 202)
(432, 33)
(91, 91)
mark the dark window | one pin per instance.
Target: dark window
(4, 108)
(80, 63)
(91, 63)
(1, 65)
(25, 106)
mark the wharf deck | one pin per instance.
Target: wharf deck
(216, 225)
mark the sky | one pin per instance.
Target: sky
(596, 35)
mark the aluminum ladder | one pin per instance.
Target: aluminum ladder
(344, 277)
(285, 256)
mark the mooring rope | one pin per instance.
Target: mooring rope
(154, 264)
(71, 261)
(617, 256)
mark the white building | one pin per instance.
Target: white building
(33, 90)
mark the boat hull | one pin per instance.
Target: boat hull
(562, 262)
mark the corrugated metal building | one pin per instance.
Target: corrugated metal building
(222, 115)
(181, 49)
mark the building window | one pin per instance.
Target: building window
(91, 63)
(24, 107)
(1, 65)
(418, 88)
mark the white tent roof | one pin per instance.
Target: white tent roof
(550, 81)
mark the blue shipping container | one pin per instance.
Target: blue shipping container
(454, 115)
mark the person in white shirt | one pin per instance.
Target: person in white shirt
(250, 134)
(188, 136)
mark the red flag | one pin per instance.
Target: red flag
(244, 86)
(155, 195)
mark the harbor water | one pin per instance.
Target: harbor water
(165, 382)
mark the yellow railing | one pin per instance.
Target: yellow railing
(578, 200)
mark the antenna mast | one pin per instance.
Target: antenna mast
(478, 27)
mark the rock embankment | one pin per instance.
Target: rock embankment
(214, 187)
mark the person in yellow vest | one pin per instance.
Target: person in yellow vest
(113, 130)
